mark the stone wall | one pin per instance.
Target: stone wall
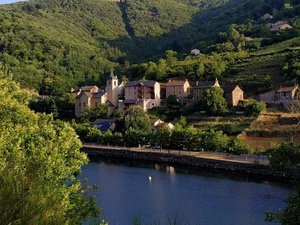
(219, 165)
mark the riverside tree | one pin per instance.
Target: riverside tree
(135, 118)
(39, 158)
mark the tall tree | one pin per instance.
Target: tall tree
(39, 158)
(214, 101)
(135, 118)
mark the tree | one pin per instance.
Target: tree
(214, 102)
(135, 118)
(162, 137)
(285, 158)
(237, 146)
(38, 165)
(291, 214)
(91, 115)
(214, 140)
(252, 107)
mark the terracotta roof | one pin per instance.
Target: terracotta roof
(175, 83)
(287, 89)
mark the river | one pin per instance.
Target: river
(158, 193)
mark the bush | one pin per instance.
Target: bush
(237, 146)
(87, 132)
(252, 107)
(230, 129)
(214, 141)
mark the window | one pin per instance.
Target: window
(84, 104)
(96, 104)
(79, 104)
(115, 83)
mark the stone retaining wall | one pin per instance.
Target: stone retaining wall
(220, 165)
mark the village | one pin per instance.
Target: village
(151, 95)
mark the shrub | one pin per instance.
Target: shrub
(252, 107)
(214, 140)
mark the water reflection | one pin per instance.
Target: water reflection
(155, 192)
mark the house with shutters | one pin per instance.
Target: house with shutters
(145, 94)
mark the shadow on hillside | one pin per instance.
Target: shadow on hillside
(203, 30)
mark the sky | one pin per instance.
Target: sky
(9, 1)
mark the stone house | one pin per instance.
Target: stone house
(201, 87)
(91, 96)
(180, 88)
(145, 94)
(285, 96)
(279, 25)
(233, 94)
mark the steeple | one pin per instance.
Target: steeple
(112, 88)
(112, 75)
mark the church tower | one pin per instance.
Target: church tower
(112, 89)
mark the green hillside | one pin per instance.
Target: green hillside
(52, 45)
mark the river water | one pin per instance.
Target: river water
(157, 194)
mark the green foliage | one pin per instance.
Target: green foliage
(285, 158)
(214, 141)
(39, 160)
(52, 45)
(162, 137)
(292, 67)
(135, 118)
(237, 146)
(231, 128)
(252, 107)
(214, 102)
(291, 214)
(99, 112)
(185, 138)
(87, 132)
(136, 138)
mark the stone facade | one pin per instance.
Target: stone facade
(202, 86)
(91, 96)
(233, 94)
(179, 88)
(145, 94)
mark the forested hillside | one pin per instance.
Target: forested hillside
(52, 45)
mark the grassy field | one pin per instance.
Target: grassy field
(270, 128)
(231, 125)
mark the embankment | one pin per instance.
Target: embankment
(250, 169)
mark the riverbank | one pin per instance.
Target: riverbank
(188, 159)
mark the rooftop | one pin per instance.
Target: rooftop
(175, 83)
(287, 89)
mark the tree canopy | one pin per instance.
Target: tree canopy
(39, 159)
(135, 118)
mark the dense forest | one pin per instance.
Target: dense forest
(53, 45)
